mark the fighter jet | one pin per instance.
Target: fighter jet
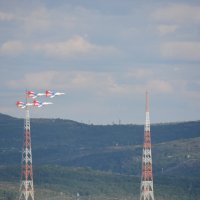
(21, 104)
(40, 104)
(53, 94)
(34, 95)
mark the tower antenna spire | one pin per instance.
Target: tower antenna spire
(26, 185)
(146, 187)
(147, 101)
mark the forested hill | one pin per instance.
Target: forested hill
(58, 144)
(47, 132)
(103, 147)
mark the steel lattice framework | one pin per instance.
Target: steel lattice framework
(146, 188)
(26, 185)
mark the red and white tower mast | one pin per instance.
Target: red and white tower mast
(26, 185)
(146, 188)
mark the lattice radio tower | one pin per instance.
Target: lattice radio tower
(26, 183)
(26, 186)
(146, 188)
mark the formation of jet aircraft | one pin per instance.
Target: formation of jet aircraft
(48, 93)
(35, 103)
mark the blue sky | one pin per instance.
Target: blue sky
(104, 55)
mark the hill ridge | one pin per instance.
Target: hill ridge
(2, 115)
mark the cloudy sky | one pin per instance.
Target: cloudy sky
(104, 54)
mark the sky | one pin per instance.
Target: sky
(104, 54)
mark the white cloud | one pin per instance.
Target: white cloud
(167, 29)
(181, 13)
(100, 84)
(6, 16)
(76, 46)
(72, 47)
(38, 19)
(57, 80)
(154, 86)
(38, 80)
(159, 86)
(140, 73)
(12, 48)
(181, 50)
(130, 32)
(35, 20)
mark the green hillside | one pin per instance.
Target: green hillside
(114, 148)
(55, 182)
(100, 161)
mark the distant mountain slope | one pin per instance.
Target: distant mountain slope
(114, 148)
(59, 183)
(117, 149)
